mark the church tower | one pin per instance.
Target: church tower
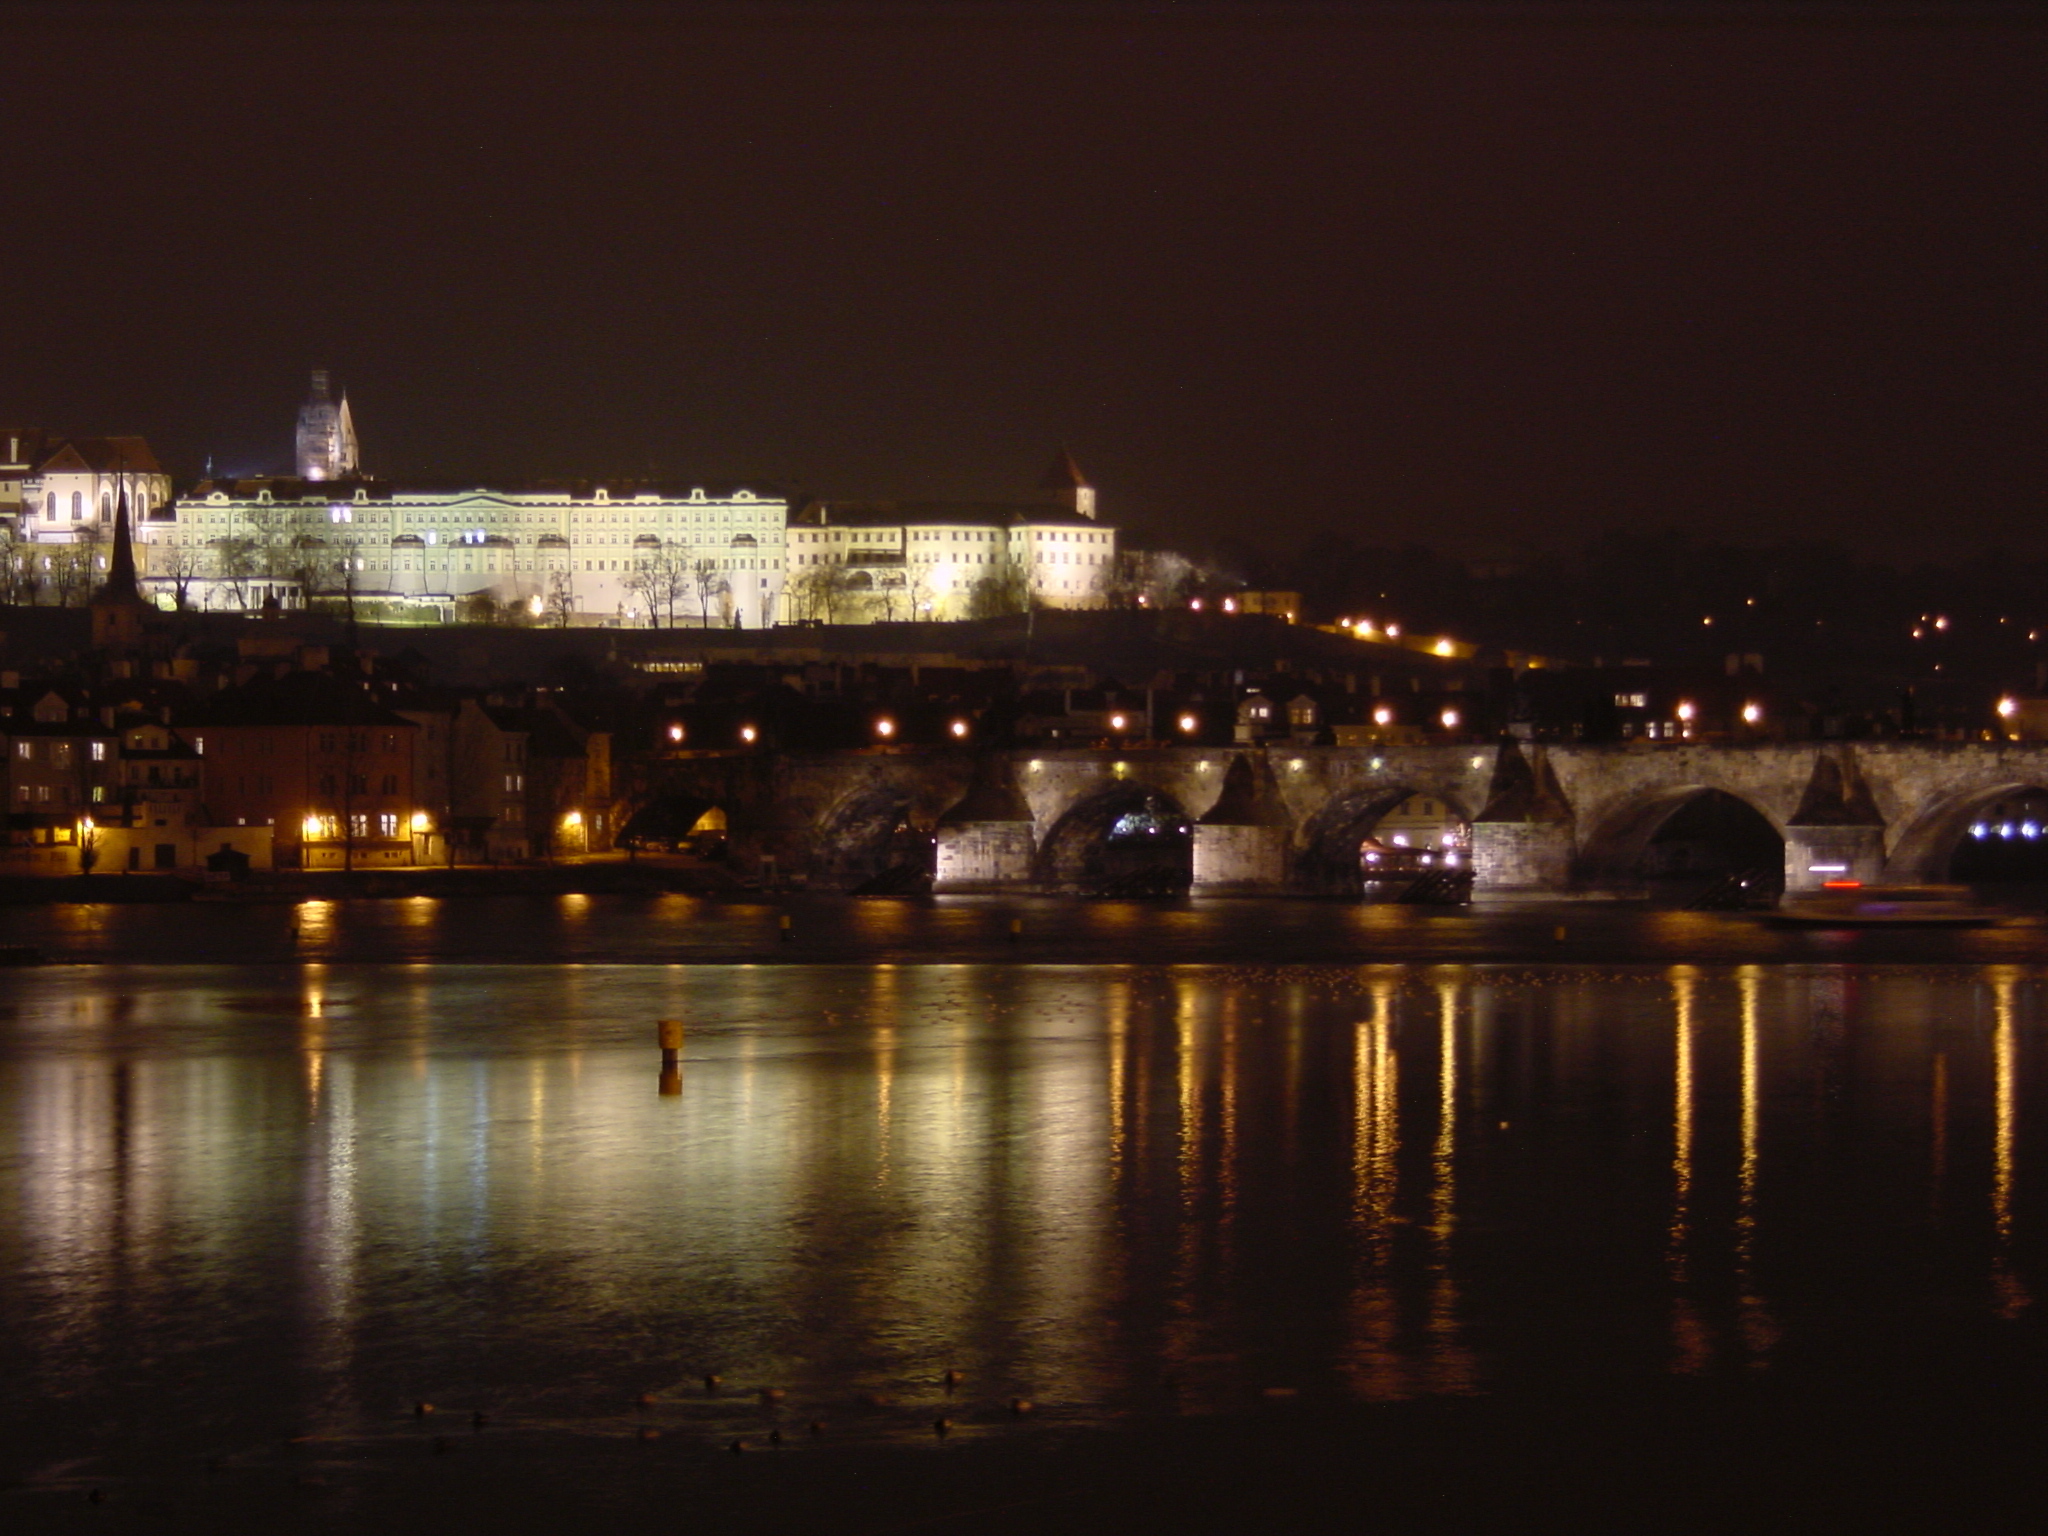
(327, 435)
(1065, 477)
(118, 606)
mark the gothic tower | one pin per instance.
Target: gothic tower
(327, 435)
(118, 606)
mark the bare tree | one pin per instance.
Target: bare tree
(21, 572)
(73, 569)
(238, 560)
(822, 591)
(1005, 589)
(181, 564)
(560, 602)
(708, 582)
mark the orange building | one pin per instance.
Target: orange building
(320, 762)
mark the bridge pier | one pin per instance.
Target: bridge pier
(1242, 841)
(1816, 855)
(1521, 856)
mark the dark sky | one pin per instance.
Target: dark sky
(1468, 276)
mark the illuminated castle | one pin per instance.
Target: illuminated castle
(327, 435)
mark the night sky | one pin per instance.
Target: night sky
(1469, 277)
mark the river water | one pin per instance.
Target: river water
(304, 1181)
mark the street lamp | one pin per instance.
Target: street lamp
(959, 730)
(1118, 722)
(1189, 725)
(747, 734)
(1450, 718)
(1752, 712)
(1383, 716)
(675, 732)
(2008, 707)
(885, 727)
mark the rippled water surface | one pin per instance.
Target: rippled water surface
(295, 1198)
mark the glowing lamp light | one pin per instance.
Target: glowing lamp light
(2008, 707)
(1751, 713)
(1393, 631)
(1188, 725)
(1450, 718)
(1444, 647)
(747, 734)
(1230, 605)
(86, 824)
(1117, 722)
(1363, 629)
(421, 822)
(885, 727)
(1194, 605)
(959, 730)
(536, 606)
(1941, 621)
(1686, 710)
(310, 827)
(675, 733)
(1383, 716)
(573, 820)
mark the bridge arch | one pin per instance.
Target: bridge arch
(1679, 839)
(1125, 838)
(1928, 848)
(1328, 850)
(872, 840)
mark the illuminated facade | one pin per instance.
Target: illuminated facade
(575, 553)
(65, 489)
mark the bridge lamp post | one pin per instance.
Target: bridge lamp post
(2008, 707)
(885, 728)
(749, 735)
(958, 729)
(1752, 713)
(1450, 719)
(675, 734)
(1383, 717)
(1686, 712)
(1188, 725)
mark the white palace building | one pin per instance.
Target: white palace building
(626, 553)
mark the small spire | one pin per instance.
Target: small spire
(1065, 474)
(121, 584)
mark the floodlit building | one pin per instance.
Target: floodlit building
(64, 490)
(625, 553)
(853, 561)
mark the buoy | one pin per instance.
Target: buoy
(942, 1427)
(711, 1382)
(421, 1410)
(953, 1379)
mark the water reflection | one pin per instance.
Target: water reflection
(1114, 1190)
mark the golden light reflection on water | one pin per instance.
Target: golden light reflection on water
(871, 1174)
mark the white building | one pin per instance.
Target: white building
(68, 487)
(586, 553)
(877, 560)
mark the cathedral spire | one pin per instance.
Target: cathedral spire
(1065, 476)
(118, 606)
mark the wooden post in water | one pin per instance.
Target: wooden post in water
(670, 1033)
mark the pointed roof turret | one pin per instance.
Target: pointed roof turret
(1065, 474)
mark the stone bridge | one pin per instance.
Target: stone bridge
(1543, 817)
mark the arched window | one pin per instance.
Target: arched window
(50, 506)
(106, 505)
(77, 505)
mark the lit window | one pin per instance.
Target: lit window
(99, 751)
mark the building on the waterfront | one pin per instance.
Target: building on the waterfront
(327, 435)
